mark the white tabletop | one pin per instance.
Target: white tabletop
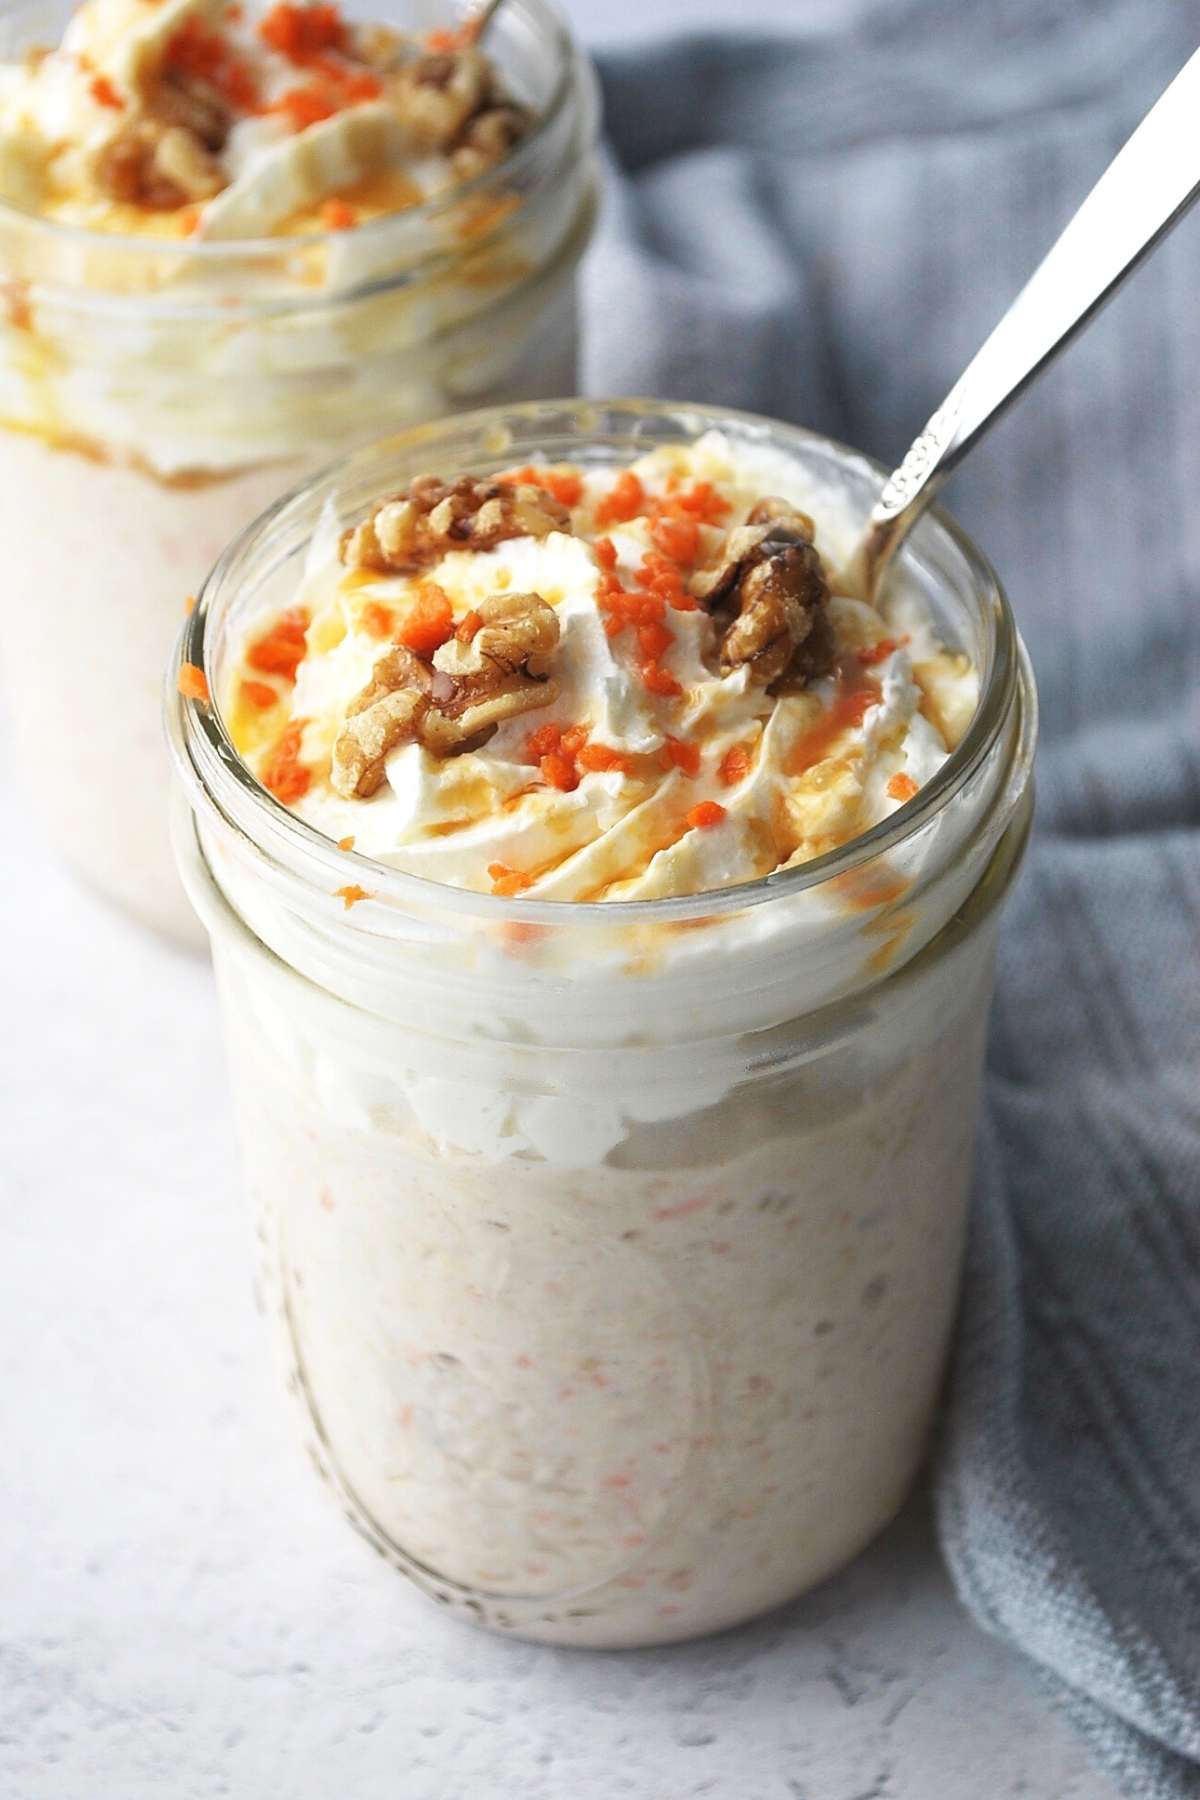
(185, 1613)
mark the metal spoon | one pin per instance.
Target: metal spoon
(1145, 190)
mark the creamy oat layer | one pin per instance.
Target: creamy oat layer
(582, 683)
(215, 119)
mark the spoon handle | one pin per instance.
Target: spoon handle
(1145, 190)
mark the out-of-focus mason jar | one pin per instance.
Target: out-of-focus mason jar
(613, 1249)
(156, 395)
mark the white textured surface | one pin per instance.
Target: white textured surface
(184, 1612)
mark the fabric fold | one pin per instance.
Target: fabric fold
(824, 228)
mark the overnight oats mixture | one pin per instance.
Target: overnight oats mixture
(591, 683)
(234, 239)
(613, 1264)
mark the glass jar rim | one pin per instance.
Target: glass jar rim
(233, 252)
(210, 766)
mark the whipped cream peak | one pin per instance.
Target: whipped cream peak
(652, 690)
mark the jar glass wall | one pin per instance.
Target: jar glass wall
(155, 395)
(613, 1249)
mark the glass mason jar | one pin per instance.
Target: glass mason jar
(156, 395)
(613, 1250)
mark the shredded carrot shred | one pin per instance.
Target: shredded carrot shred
(559, 771)
(876, 653)
(573, 739)
(305, 106)
(565, 485)
(676, 538)
(430, 621)
(624, 500)
(259, 693)
(708, 813)
(444, 42)
(189, 603)
(606, 554)
(679, 754)
(377, 619)
(282, 773)
(602, 757)
(902, 787)
(351, 894)
(280, 651)
(346, 843)
(654, 640)
(505, 881)
(105, 94)
(192, 682)
(299, 32)
(735, 765)
(338, 214)
(543, 741)
(659, 680)
(467, 626)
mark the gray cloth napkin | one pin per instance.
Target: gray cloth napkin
(824, 227)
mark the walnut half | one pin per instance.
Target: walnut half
(769, 591)
(432, 516)
(455, 702)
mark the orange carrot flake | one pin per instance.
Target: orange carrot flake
(902, 787)
(346, 843)
(659, 680)
(708, 813)
(677, 538)
(505, 881)
(259, 693)
(189, 603)
(282, 773)
(564, 485)
(876, 653)
(735, 765)
(654, 640)
(377, 619)
(624, 500)
(543, 741)
(602, 757)
(338, 215)
(280, 651)
(305, 106)
(606, 554)
(351, 894)
(299, 32)
(681, 755)
(430, 621)
(467, 626)
(104, 93)
(573, 739)
(559, 771)
(192, 682)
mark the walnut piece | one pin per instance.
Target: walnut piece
(186, 100)
(386, 713)
(769, 592)
(156, 166)
(180, 158)
(414, 529)
(455, 702)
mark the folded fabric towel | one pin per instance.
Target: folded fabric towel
(824, 227)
